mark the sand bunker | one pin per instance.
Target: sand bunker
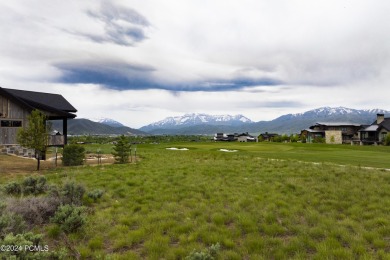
(177, 149)
(228, 151)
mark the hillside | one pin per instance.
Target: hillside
(87, 127)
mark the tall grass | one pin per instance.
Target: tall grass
(172, 202)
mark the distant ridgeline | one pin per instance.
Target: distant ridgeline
(286, 124)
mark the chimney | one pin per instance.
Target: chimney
(380, 118)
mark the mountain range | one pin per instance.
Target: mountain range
(191, 120)
(290, 123)
(204, 124)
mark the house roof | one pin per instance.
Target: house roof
(371, 128)
(337, 124)
(268, 134)
(313, 131)
(245, 134)
(385, 124)
(38, 100)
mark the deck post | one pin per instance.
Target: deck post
(65, 130)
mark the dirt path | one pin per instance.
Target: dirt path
(11, 165)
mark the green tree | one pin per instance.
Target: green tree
(35, 135)
(122, 150)
(387, 139)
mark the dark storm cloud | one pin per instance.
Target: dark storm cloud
(114, 75)
(123, 76)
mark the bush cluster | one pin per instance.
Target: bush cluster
(319, 140)
(293, 138)
(61, 205)
(29, 186)
(34, 210)
(34, 186)
(32, 241)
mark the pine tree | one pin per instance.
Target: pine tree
(122, 150)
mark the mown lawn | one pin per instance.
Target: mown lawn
(172, 202)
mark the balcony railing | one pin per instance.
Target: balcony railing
(56, 140)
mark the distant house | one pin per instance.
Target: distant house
(376, 132)
(16, 105)
(333, 133)
(245, 137)
(267, 137)
(225, 137)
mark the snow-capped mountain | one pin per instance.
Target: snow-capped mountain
(107, 121)
(290, 123)
(338, 114)
(197, 119)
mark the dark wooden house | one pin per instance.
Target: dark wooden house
(16, 105)
(376, 132)
(267, 137)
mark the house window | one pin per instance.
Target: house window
(11, 123)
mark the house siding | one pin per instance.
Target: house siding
(333, 137)
(11, 111)
(382, 135)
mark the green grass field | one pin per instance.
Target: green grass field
(302, 205)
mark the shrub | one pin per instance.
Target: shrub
(24, 242)
(95, 194)
(72, 193)
(285, 138)
(294, 138)
(34, 210)
(387, 139)
(319, 140)
(70, 218)
(30, 185)
(13, 188)
(11, 223)
(73, 155)
(208, 254)
(35, 186)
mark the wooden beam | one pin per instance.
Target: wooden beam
(65, 130)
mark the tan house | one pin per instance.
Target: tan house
(16, 105)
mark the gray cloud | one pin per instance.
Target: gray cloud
(126, 76)
(113, 74)
(271, 104)
(122, 25)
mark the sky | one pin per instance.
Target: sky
(138, 62)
